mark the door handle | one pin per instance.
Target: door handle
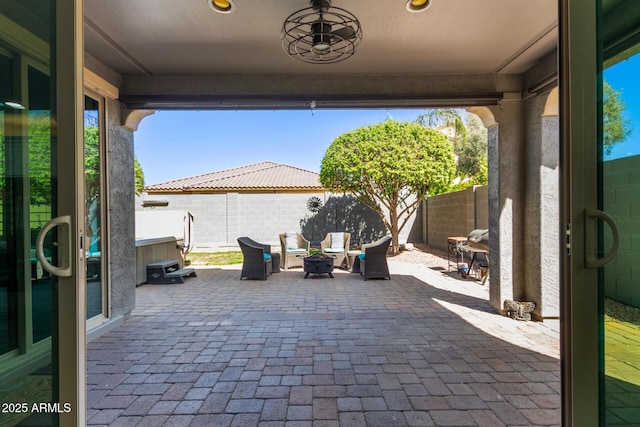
(64, 247)
(591, 217)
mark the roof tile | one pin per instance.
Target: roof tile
(257, 176)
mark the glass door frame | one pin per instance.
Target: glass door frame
(578, 160)
(104, 315)
(71, 346)
(65, 59)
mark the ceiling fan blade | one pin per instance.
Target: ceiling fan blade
(344, 33)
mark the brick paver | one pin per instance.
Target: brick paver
(424, 348)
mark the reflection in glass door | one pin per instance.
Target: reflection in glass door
(28, 298)
(619, 280)
(96, 295)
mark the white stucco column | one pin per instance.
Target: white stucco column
(542, 206)
(506, 207)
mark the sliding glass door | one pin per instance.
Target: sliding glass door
(28, 298)
(38, 383)
(601, 152)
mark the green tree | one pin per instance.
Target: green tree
(472, 156)
(39, 140)
(390, 167)
(615, 128)
(448, 121)
(468, 136)
(138, 175)
(92, 161)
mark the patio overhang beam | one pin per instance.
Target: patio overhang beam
(230, 102)
(303, 91)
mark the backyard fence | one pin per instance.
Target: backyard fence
(454, 214)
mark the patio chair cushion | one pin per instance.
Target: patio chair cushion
(334, 251)
(267, 257)
(296, 250)
(337, 240)
(291, 240)
(361, 256)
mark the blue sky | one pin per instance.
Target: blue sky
(624, 77)
(178, 144)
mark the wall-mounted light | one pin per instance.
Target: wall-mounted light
(222, 6)
(415, 6)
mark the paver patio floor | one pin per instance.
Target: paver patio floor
(422, 349)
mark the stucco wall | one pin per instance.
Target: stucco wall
(542, 209)
(122, 253)
(621, 179)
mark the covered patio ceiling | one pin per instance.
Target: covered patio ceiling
(168, 54)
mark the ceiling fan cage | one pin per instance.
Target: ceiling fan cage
(321, 35)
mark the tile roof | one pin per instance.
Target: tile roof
(263, 176)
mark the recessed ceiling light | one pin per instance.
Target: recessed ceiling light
(222, 6)
(14, 105)
(415, 6)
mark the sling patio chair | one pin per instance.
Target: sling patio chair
(373, 259)
(294, 248)
(257, 259)
(336, 245)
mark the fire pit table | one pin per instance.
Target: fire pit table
(318, 264)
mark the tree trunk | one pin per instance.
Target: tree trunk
(395, 246)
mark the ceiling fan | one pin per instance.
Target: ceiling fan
(321, 33)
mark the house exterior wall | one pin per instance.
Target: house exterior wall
(541, 209)
(520, 207)
(121, 213)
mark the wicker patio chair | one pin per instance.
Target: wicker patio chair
(373, 260)
(257, 259)
(337, 245)
(294, 247)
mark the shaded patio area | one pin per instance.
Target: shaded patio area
(423, 349)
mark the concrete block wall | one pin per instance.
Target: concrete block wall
(454, 214)
(209, 211)
(219, 219)
(621, 182)
(482, 207)
(264, 216)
